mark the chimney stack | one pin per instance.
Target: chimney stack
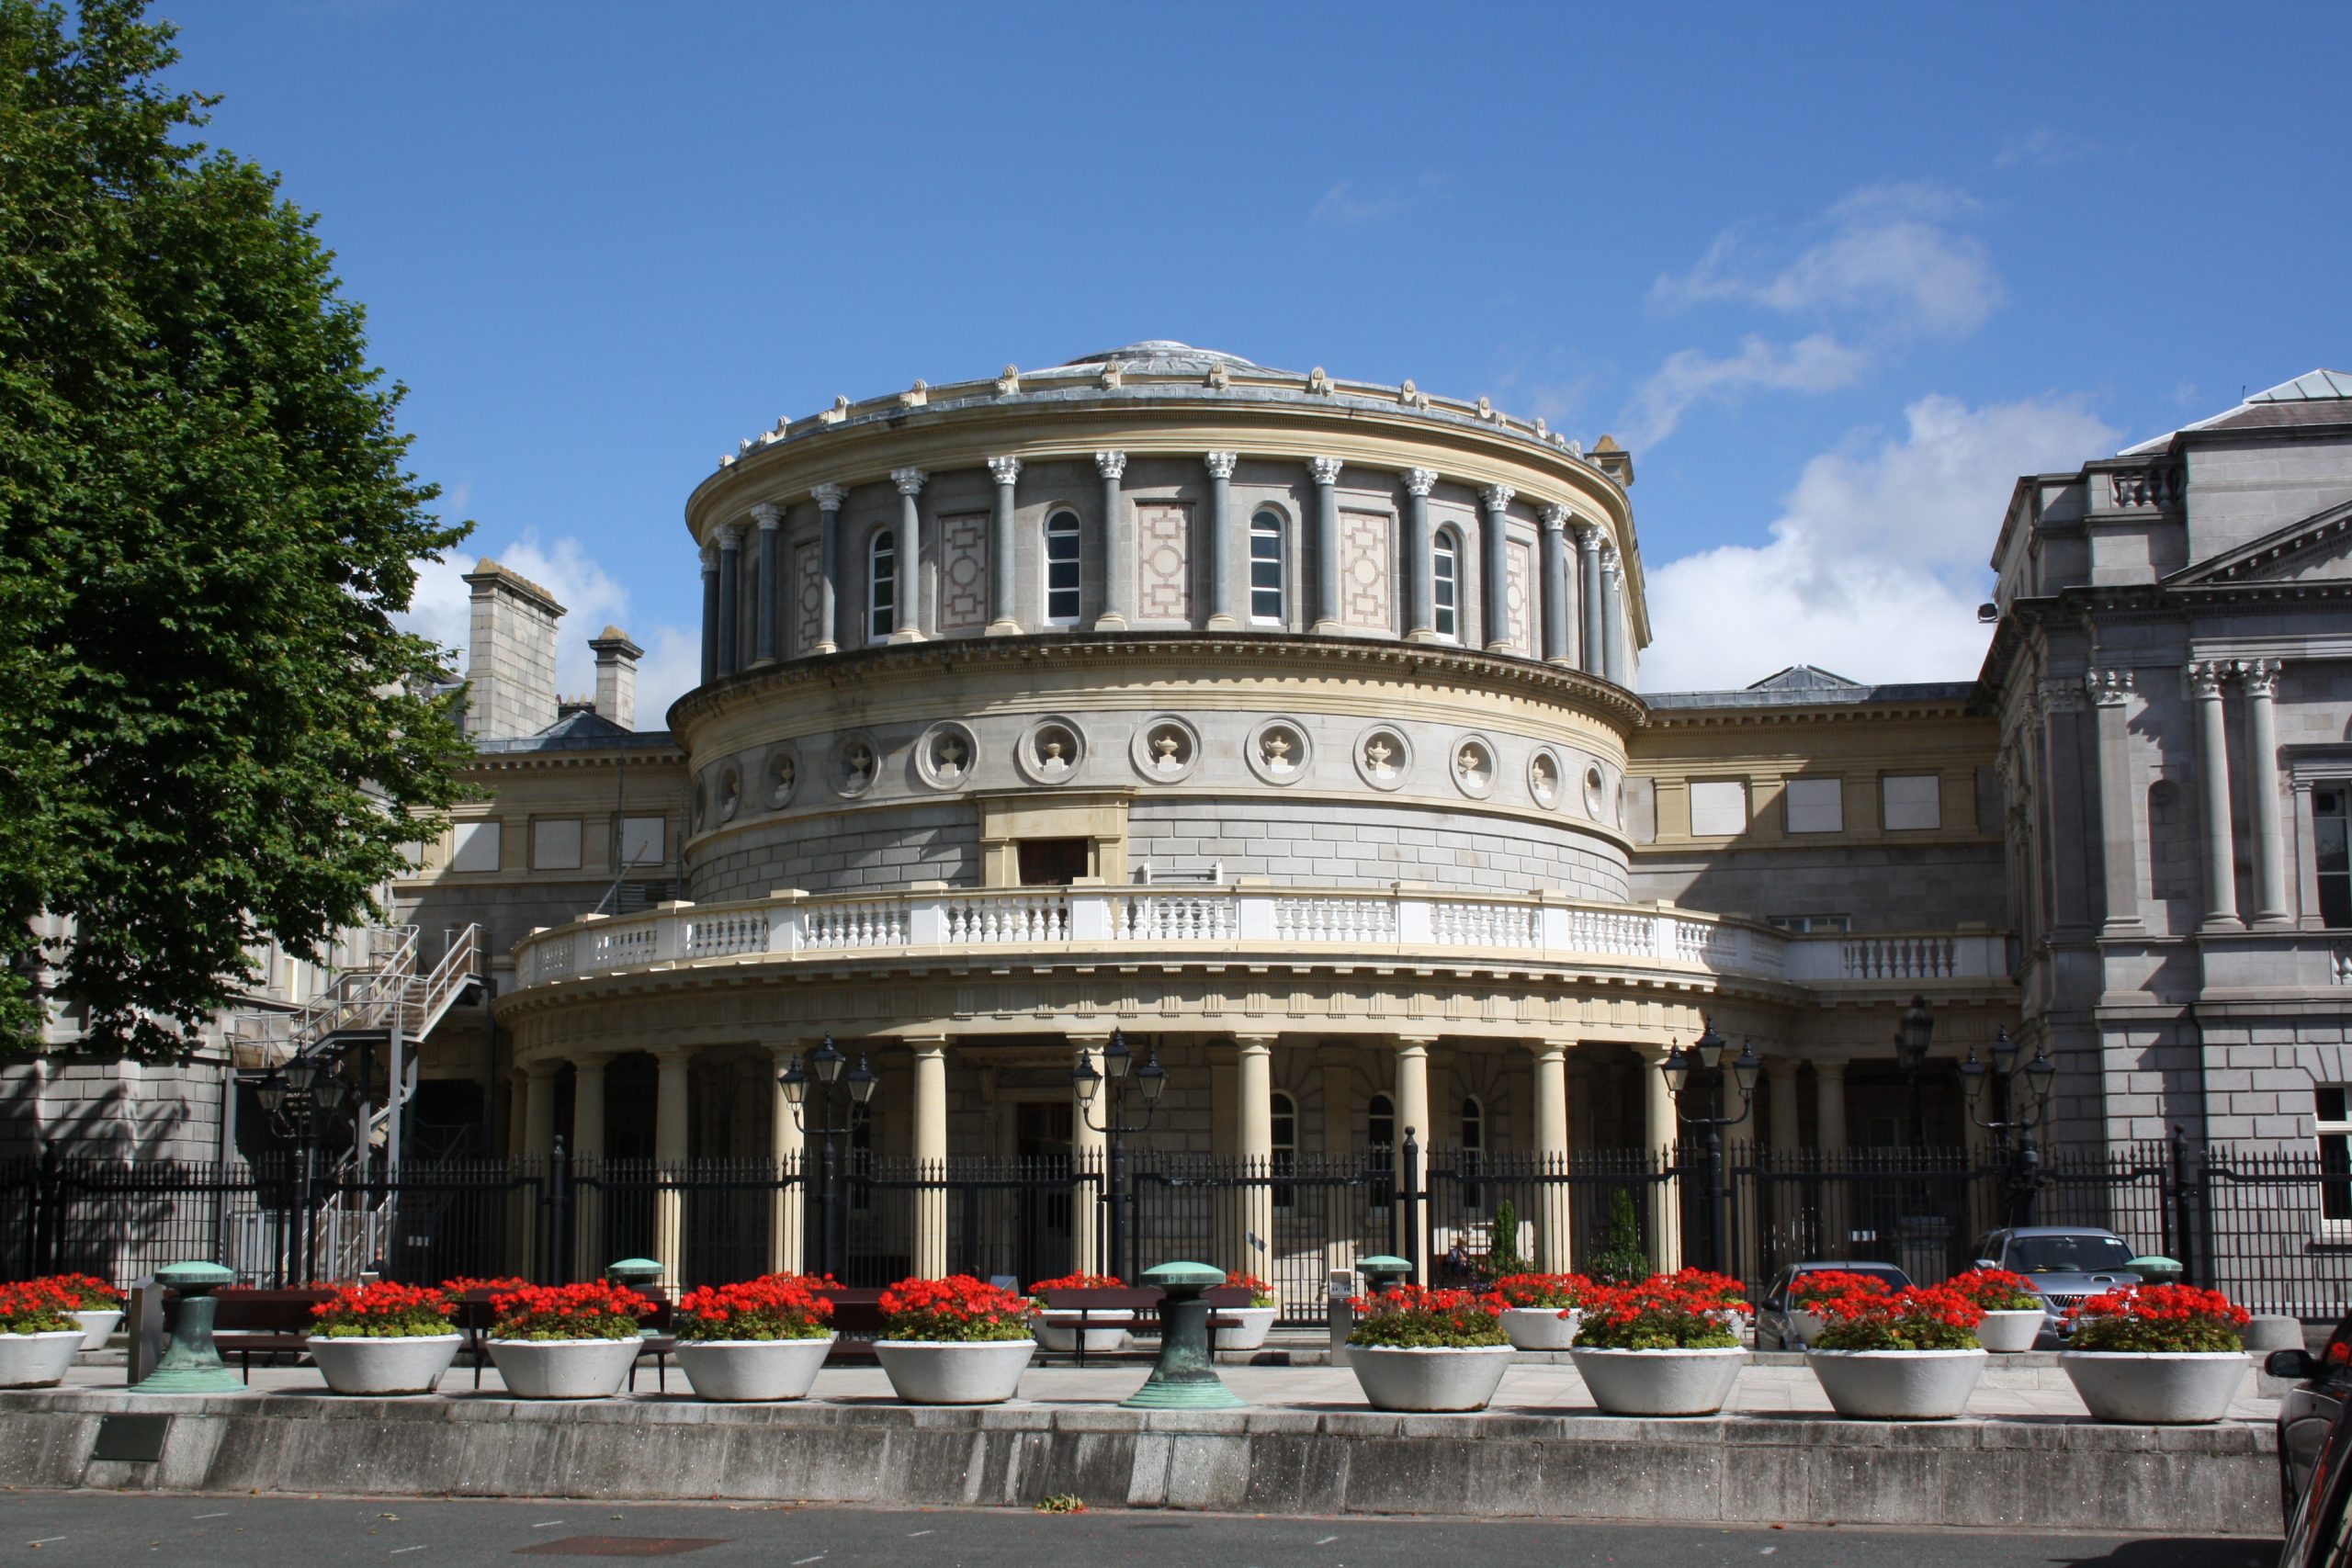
(616, 659)
(510, 664)
(1614, 461)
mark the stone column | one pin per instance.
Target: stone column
(2111, 693)
(709, 613)
(1829, 1137)
(2205, 679)
(1324, 471)
(669, 1104)
(1339, 1064)
(587, 1148)
(1003, 612)
(1588, 657)
(1613, 661)
(1412, 1097)
(828, 567)
(1556, 618)
(2259, 679)
(910, 584)
(1089, 1156)
(788, 1211)
(930, 1153)
(1118, 548)
(1553, 1238)
(1662, 1133)
(1421, 622)
(1495, 579)
(1781, 1072)
(731, 598)
(1253, 1060)
(770, 518)
(1224, 614)
(539, 1108)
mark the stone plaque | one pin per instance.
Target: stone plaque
(1164, 561)
(963, 571)
(807, 598)
(1365, 604)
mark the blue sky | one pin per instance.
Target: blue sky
(1835, 275)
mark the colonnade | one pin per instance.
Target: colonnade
(1577, 610)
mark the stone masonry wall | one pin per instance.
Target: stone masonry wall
(1296, 843)
(878, 847)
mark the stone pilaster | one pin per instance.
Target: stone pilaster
(2111, 693)
(1420, 625)
(1588, 654)
(1554, 1239)
(1557, 618)
(2258, 678)
(1613, 648)
(1324, 471)
(1226, 610)
(770, 518)
(731, 598)
(2205, 678)
(930, 1153)
(788, 1211)
(1495, 588)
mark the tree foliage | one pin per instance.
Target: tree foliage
(211, 734)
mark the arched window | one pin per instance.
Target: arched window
(1286, 1162)
(1445, 584)
(1061, 570)
(1266, 570)
(1380, 1129)
(882, 587)
(1380, 1132)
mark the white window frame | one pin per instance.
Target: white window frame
(1076, 535)
(1268, 524)
(1284, 1119)
(2340, 1132)
(1445, 588)
(2342, 788)
(879, 609)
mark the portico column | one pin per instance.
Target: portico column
(1420, 624)
(1552, 1221)
(1339, 1063)
(1495, 590)
(671, 1087)
(1253, 1060)
(2259, 679)
(1412, 1098)
(828, 567)
(2214, 794)
(731, 598)
(709, 613)
(1613, 617)
(1781, 1072)
(1090, 1166)
(788, 1211)
(1663, 1133)
(1003, 615)
(539, 1108)
(1556, 619)
(930, 1153)
(587, 1148)
(1222, 601)
(1118, 548)
(763, 621)
(1589, 658)
(2119, 841)
(1829, 1137)
(909, 627)
(1324, 471)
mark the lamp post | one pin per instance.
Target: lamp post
(2023, 1114)
(1122, 1076)
(1706, 1055)
(824, 1068)
(300, 1100)
(1913, 1033)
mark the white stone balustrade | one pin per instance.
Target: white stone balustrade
(1404, 919)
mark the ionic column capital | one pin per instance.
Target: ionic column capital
(768, 515)
(1324, 470)
(830, 496)
(1589, 537)
(1006, 470)
(1497, 497)
(1420, 481)
(1221, 464)
(908, 480)
(1111, 465)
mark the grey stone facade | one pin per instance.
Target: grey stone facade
(1373, 844)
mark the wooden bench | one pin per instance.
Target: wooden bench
(246, 1324)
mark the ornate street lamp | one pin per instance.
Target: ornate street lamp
(1913, 1034)
(2023, 1113)
(1706, 1057)
(1123, 1078)
(300, 1100)
(854, 1090)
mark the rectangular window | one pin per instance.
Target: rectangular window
(1718, 808)
(643, 843)
(2331, 832)
(2333, 1128)
(1910, 802)
(1266, 577)
(473, 846)
(1801, 925)
(1816, 805)
(1062, 568)
(1446, 590)
(555, 843)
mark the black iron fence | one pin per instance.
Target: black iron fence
(2272, 1228)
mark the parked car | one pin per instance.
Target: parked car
(1772, 1307)
(2308, 1411)
(2319, 1524)
(2068, 1265)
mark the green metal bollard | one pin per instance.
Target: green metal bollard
(1184, 1378)
(192, 1364)
(1382, 1273)
(642, 1275)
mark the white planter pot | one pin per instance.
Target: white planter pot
(384, 1366)
(1429, 1377)
(1659, 1382)
(2166, 1387)
(1251, 1327)
(2010, 1332)
(1897, 1385)
(1542, 1328)
(985, 1371)
(98, 1325)
(36, 1360)
(564, 1369)
(1803, 1326)
(1057, 1328)
(735, 1370)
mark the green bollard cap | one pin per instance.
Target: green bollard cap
(1183, 1277)
(187, 1277)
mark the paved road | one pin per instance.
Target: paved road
(103, 1530)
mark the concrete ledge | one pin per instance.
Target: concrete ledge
(1792, 1468)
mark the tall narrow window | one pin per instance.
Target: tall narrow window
(1285, 1139)
(1266, 570)
(1446, 585)
(2332, 838)
(1380, 1134)
(1061, 570)
(2332, 1122)
(1474, 1153)
(882, 587)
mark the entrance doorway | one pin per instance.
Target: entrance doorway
(1053, 863)
(1042, 1224)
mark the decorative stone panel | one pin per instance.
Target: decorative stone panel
(1163, 561)
(1518, 569)
(963, 571)
(807, 598)
(1366, 602)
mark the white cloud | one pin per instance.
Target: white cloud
(592, 599)
(2044, 146)
(1815, 364)
(1349, 203)
(1884, 257)
(1877, 559)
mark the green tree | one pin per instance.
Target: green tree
(211, 733)
(1623, 1257)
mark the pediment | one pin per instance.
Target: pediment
(2318, 550)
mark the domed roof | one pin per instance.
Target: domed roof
(1162, 354)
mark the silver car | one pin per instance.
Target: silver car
(1772, 1330)
(2068, 1266)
